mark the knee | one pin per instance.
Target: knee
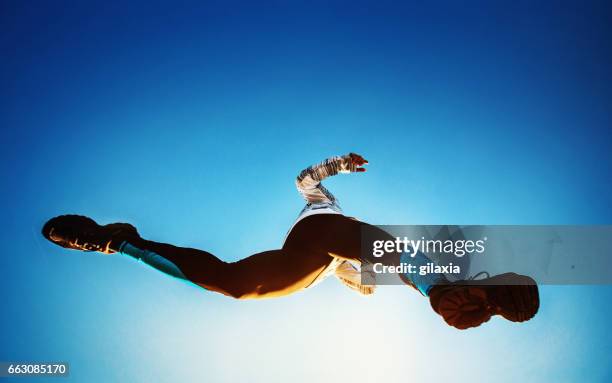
(238, 293)
(235, 284)
(243, 288)
(224, 287)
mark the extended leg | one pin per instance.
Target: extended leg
(268, 274)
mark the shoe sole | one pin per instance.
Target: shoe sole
(464, 307)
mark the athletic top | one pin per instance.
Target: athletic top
(320, 201)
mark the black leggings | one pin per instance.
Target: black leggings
(310, 247)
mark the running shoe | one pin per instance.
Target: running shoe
(77, 232)
(470, 303)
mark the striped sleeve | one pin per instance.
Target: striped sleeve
(309, 181)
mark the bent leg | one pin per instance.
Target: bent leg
(334, 234)
(264, 275)
(340, 236)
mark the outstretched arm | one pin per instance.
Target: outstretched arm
(309, 181)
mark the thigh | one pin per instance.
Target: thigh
(333, 234)
(267, 274)
(275, 273)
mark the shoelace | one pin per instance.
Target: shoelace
(85, 246)
(479, 274)
(89, 246)
(489, 306)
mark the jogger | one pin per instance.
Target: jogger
(322, 242)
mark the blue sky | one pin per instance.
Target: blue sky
(191, 121)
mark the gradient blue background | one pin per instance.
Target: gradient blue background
(191, 120)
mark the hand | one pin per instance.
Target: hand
(358, 161)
